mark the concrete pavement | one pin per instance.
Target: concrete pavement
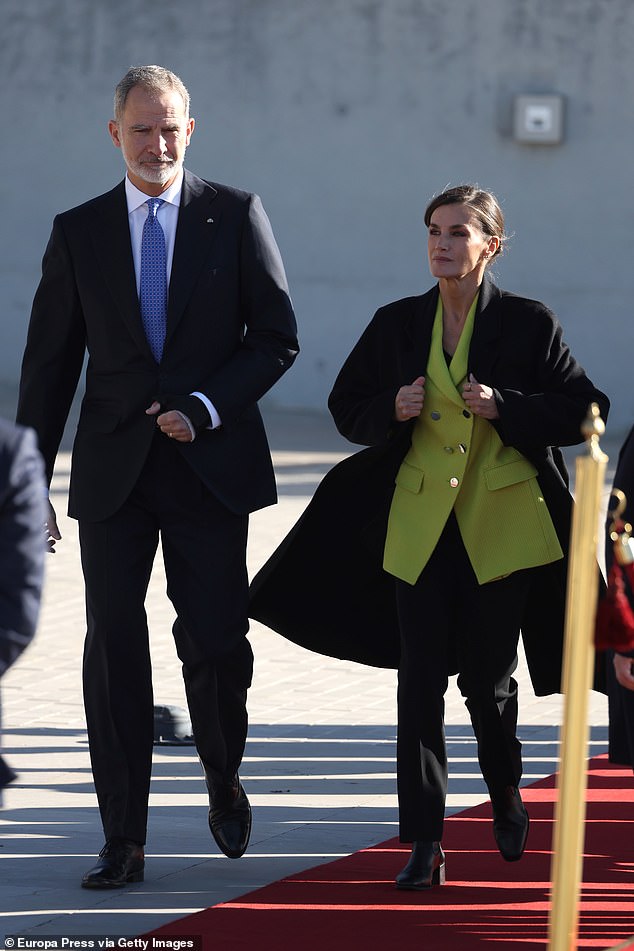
(319, 765)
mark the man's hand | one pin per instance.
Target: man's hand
(409, 400)
(480, 399)
(623, 671)
(174, 424)
(53, 533)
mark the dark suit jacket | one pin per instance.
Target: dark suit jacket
(231, 334)
(325, 587)
(22, 547)
(22, 543)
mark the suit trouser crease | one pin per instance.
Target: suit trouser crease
(448, 622)
(204, 552)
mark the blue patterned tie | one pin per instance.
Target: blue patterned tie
(153, 289)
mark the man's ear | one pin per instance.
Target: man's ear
(113, 129)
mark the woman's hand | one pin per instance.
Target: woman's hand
(480, 399)
(409, 400)
(623, 671)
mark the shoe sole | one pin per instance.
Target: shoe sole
(130, 880)
(438, 878)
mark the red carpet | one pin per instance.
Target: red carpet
(486, 901)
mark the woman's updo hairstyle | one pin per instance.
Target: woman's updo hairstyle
(483, 204)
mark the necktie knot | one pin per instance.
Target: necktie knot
(153, 284)
(154, 204)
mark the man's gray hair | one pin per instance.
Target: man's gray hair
(154, 78)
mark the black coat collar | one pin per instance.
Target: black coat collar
(487, 329)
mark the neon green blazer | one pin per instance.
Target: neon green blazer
(457, 462)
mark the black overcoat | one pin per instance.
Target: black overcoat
(324, 587)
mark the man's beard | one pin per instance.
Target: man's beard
(155, 173)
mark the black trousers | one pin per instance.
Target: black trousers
(620, 717)
(204, 551)
(450, 623)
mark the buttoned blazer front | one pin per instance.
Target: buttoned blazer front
(458, 463)
(334, 554)
(231, 334)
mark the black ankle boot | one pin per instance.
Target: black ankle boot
(426, 867)
(510, 823)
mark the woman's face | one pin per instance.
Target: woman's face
(456, 244)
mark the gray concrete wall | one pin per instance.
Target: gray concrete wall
(346, 116)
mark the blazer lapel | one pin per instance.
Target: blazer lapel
(198, 222)
(440, 373)
(114, 255)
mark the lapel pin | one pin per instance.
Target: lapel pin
(210, 221)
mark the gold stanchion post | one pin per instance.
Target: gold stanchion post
(578, 666)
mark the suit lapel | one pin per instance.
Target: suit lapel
(440, 373)
(114, 255)
(198, 221)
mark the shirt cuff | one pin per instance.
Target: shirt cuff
(211, 409)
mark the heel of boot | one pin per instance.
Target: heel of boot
(439, 876)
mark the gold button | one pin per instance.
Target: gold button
(462, 447)
(453, 482)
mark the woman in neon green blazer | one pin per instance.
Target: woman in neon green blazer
(461, 507)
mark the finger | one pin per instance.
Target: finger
(153, 409)
(50, 525)
(168, 423)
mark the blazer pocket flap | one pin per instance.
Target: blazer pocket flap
(410, 478)
(499, 477)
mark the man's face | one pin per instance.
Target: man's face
(153, 134)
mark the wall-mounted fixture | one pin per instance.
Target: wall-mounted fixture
(538, 119)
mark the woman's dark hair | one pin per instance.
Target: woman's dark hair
(484, 205)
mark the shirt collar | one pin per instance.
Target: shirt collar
(135, 197)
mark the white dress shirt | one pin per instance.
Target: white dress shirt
(167, 215)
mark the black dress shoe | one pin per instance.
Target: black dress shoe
(510, 823)
(120, 861)
(426, 867)
(230, 818)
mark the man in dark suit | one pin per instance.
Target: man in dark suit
(22, 548)
(183, 307)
